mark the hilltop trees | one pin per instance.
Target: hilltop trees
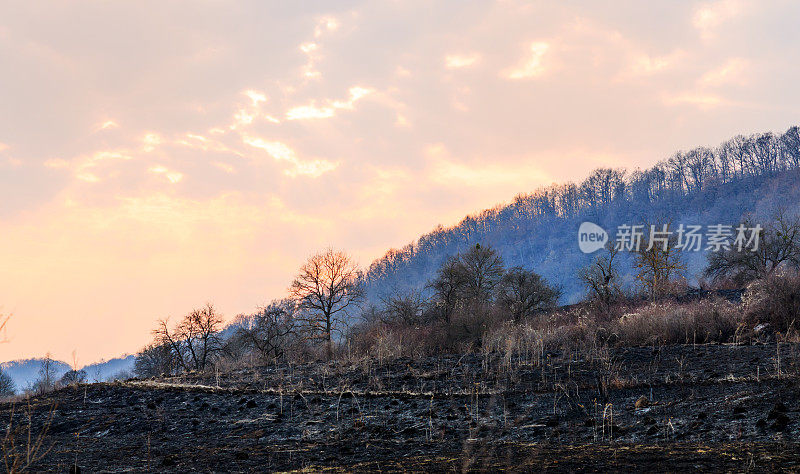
(327, 287)
(690, 180)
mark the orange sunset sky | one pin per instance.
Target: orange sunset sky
(157, 155)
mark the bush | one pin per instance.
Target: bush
(73, 377)
(774, 301)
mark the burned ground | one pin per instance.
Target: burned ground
(675, 407)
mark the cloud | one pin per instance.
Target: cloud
(242, 118)
(226, 167)
(282, 152)
(85, 168)
(731, 72)
(107, 125)
(255, 97)
(312, 111)
(309, 68)
(531, 67)
(644, 64)
(445, 170)
(460, 61)
(151, 141)
(173, 177)
(709, 16)
(325, 25)
(698, 99)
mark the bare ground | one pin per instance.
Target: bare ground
(709, 407)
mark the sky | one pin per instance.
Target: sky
(158, 155)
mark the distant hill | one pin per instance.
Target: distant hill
(753, 175)
(108, 370)
(26, 371)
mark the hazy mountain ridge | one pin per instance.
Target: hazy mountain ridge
(25, 372)
(745, 175)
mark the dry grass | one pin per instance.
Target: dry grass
(22, 445)
(671, 323)
(579, 331)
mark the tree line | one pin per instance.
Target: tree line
(743, 160)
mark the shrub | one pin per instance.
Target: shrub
(73, 377)
(774, 300)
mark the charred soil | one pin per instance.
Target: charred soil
(716, 407)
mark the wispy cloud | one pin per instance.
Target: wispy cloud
(313, 111)
(283, 153)
(173, 177)
(460, 61)
(532, 66)
(733, 71)
(709, 16)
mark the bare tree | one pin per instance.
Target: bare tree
(155, 360)
(73, 377)
(47, 376)
(7, 385)
(778, 246)
(448, 286)
(195, 340)
(483, 270)
(657, 263)
(269, 331)
(327, 287)
(523, 293)
(601, 278)
(405, 307)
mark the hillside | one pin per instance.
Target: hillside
(709, 407)
(753, 175)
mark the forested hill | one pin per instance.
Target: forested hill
(756, 174)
